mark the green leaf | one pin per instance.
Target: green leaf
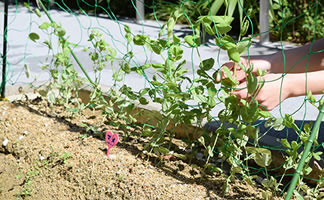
(127, 29)
(243, 45)
(285, 143)
(229, 75)
(181, 156)
(216, 6)
(244, 28)
(172, 86)
(147, 133)
(202, 140)
(307, 170)
(262, 156)
(207, 64)
(289, 122)
(45, 25)
(299, 196)
(157, 66)
(234, 54)
(156, 150)
(199, 98)
(269, 183)
(170, 24)
(156, 47)
(211, 102)
(48, 44)
(321, 102)
(210, 151)
(164, 150)
(126, 68)
(212, 92)
(177, 14)
(208, 29)
(223, 28)
(166, 105)
(176, 39)
(192, 41)
(27, 70)
(216, 19)
(307, 128)
(252, 132)
(252, 83)
(27, 5)
(51, 97)
(177, 52)
(295, 146)
(37, 12)
(310, 97)
(128, 37)
(265, 114)
(60, 32)
(317, 155)
(140, 39)
(231, 7)
(33, 36)
(226, 43)
(277, 124)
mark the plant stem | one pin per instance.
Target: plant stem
(305, 153)
(72, 53)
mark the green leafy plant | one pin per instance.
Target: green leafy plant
(64, 77)
(236, 138)
(296, 20)
(27, 184)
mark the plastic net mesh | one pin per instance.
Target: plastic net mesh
(112, 48)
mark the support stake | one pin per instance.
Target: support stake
(307, 148)
(4, 54)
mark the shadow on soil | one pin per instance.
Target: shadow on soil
(129, 144)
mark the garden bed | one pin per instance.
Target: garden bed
(47, 154)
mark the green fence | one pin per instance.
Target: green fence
(177, 63)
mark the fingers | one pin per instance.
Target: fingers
(240, 75)
(232, 66)
(241, 91)
(264, 103)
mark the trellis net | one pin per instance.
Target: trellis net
(171, 57)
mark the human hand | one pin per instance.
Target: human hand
(275, 89)
(258, 62)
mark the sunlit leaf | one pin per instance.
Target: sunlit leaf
(234, 54)
(45, 25)
(192, 41)
(33, 36)
(223, 28)
(207, 64)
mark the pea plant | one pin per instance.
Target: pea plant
(236, 138)
(63, 76)
(235, 141)
(66, 80)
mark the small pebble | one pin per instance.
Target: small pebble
(41, 157)
(112, 156)
(5, 142)
(20, 137)
(25, 132)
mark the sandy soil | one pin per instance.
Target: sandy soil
(45, 154)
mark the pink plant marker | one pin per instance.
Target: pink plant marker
(111, 140)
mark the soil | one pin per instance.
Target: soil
(47, 154)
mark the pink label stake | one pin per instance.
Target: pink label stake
(111, 140)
